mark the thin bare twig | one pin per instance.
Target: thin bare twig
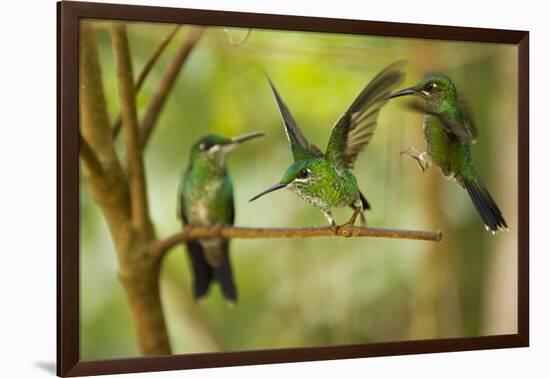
(159, 97)
(134, 153)
(158, 248)
(147, 68)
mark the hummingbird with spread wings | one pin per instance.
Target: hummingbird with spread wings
(326, 179)
(449, 132)
(205, 198)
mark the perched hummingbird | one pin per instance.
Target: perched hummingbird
(449, 131)
(205, 198)
(326, 180)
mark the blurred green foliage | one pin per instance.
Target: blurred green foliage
(327, 291)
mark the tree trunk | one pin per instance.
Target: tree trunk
(139, 274)
(138, 269)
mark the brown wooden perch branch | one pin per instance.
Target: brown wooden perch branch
(158, 248)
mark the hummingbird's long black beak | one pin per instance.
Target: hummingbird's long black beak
(245, 137)
(404, 92)
(268, 190)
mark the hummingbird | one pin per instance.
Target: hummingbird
(449, 132)
(205, 198)
(326, 179)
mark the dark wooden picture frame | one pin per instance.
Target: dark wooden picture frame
(69, 14)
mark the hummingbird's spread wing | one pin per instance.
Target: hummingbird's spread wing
(355, 128)
(301, 148)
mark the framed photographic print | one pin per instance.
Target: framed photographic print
(239, 188)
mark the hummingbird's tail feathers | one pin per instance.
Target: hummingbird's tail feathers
(224, 275)
(366, 204)
(485, 205)
(202, 271)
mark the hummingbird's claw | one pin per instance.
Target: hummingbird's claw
(420, 157)
(328, 214)
(422, 166)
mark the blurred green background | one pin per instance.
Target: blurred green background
(323, 291)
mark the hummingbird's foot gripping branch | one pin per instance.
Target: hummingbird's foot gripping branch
(159, 248)
(421, 158)
(353, 218)
(331, 221)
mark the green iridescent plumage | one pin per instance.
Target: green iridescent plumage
(205, 198)
(326, 180)
(449, 131)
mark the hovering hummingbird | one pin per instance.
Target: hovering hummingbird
(449, 131)
(326, 180)
(205, 198)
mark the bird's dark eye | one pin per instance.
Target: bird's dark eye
(303, 173)
(429, 87)
(203, 146)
